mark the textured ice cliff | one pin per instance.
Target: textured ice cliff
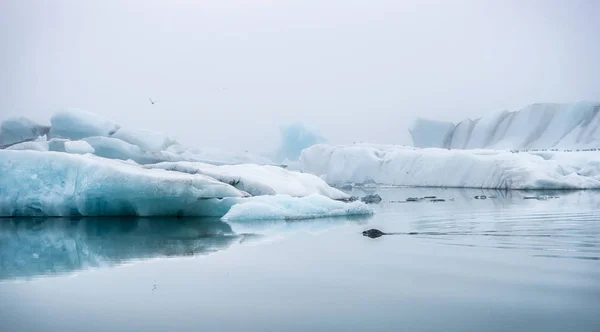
(538, 126)
(405, 166)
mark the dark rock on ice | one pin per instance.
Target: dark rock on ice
(369, 199)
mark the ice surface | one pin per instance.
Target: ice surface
(259, 179)
(295, 138)
(36, 145)
(76, 124)
(538, 126)
(60, 184)
(113, 148)
(396, 165)
(20, 129)
(147, 140)
(79, 147)
(286, 207)
(217, 156)
(109, 140)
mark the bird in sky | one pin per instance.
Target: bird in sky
(152, 101)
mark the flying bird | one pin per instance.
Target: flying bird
(152, 101)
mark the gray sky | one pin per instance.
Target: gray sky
(226, 73)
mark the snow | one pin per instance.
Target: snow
(60, 184)
(286, 207)
(259, 179)
(76, 124)
(397, 165)
(295, 138)
(79, 147)
(20, 129)
(537, 126)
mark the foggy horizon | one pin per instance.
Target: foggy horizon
(227, 74)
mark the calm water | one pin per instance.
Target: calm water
(501, 264)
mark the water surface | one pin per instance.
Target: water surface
(500, 264)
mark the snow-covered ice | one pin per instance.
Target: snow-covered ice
(259, 179)
(537, 126)
(286, 207)
(397, 165)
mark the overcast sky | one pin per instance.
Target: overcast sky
(227, 73)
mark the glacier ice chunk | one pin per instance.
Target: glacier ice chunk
(114, 148)
(291, 208)
(78, 147)
(37, 145)
(19, 129)
(60, 184)
(295, 138)
(259, 179)
(537, 126)
(76, 124)
(147, 140)
(452, 168)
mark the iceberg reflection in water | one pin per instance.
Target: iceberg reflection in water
(34, 247)
(38, 246)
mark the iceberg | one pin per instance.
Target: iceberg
(259, 179)
(147, 140)
(406, 166)
(19, 129)
(60, 184)
(76, 124)
(109, 140)
(295, 138)
(114, 148)
(537, 126)
(292, 208)
(37, 145)
(57, 184)
(79, 147)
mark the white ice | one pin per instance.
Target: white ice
(259, 179)
(397, 165)
(537, 126)
(286, 207)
